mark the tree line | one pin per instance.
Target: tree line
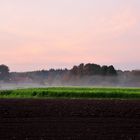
(93, 69)
(82, 74)
(80, 70)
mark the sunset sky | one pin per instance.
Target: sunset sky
(43, 34)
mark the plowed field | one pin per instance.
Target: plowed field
(67, 119)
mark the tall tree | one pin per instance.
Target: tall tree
(4, 73)
(104, 70)
(111, 71)
(74, 70)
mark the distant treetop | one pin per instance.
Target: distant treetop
(93, 69)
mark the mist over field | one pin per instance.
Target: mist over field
(83, 75)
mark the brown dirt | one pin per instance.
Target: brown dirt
(26, 119)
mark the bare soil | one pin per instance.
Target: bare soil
(65, 119)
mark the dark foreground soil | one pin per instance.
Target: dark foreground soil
(69, 119)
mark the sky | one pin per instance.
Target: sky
(44, 34)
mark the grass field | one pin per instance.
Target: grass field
(71, 92)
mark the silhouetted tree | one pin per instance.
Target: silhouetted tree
(81, 69)
(4, 73)
(74, 70)
(104, 70)
(111, 71)
(92, 69)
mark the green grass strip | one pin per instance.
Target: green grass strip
(73, 92)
